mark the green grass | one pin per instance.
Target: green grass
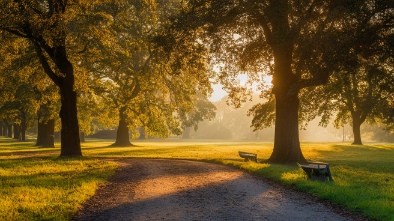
(46, 188)
(363, 175)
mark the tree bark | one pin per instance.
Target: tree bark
(356, 131)
(186, 133)
(17, 133)
(9, 130)
(40, 133)
(286, 143)
(122, 134)
(5, 131)
(48, 134)
(46, 127)
(1, 128)
(70, 142)
(23, 127)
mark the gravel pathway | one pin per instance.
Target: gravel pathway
(147, 189)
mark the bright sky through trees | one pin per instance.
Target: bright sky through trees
(219, 93)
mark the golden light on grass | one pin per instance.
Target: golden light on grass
(363, 175)
(293, 175)
(48, 188)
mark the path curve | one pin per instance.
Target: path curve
(149, 189)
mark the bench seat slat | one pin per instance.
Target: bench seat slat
(317, 171)
(248, 156)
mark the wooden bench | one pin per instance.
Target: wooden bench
(317, 171)
(248, 156)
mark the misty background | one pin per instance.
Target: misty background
(233, 124)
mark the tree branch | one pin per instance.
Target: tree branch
(16, 32)
(295, 30)
(136, 89)
(317, 80)
(44, 62)
(261, 20)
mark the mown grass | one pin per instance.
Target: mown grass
(46, 187)
(363, 175)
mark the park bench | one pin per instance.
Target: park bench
(248, 156)
(317, 171)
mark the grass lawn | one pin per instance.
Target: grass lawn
(41, 186)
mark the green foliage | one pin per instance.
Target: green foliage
(263, 114)
(21, 95)
(202, 110)
(134, 73)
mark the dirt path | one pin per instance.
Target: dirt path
(145, 189)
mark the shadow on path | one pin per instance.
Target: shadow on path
(146, 189)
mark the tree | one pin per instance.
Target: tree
(126, 66)
(356, 97)
(138, 77)
(202, 110)
(361, 88)
(19, 102)
(297, 42)
(46, 115)
(27, 87)
(43, 23)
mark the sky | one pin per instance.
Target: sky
(219, 93)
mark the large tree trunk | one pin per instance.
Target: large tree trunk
(17, 132)
(356, 131)
(286, 143)
(69, 134)
(122, 134)
(186, 133)
(70, 142)
(40, 133)
(46, 128)
(48, 133)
